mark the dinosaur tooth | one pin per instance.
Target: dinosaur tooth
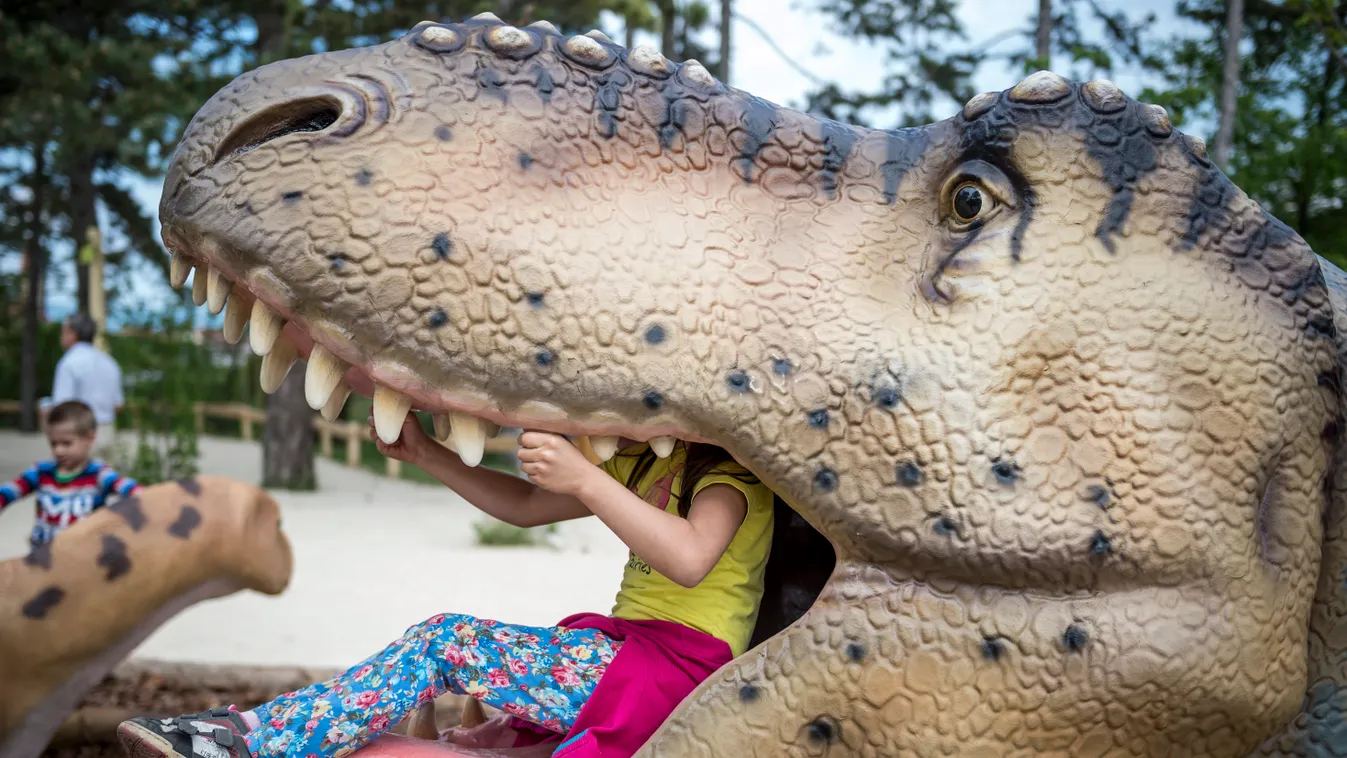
(178, 269)
(199, 284)
(324, 372)
(605, 446)
(442, 426)
(237, 312)
(336, 401)
(469, 435)
(217, 290)
(266, 327)
(663, 446)
(276, 364)
(390, 410)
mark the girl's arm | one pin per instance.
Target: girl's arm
(683, 549)
(504, 497)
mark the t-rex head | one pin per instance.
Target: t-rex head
(1059, 394)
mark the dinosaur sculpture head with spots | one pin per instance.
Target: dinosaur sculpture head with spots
(1062, 399)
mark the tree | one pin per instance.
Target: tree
(1043, 37)
(1234, 31)
(1289, 146)
(726, 24)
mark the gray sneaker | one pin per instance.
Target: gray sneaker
(217, 733)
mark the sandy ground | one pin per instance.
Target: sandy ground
(372, 557)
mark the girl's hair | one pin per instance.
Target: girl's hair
(700, 460)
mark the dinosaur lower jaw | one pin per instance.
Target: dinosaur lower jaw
(464, 418)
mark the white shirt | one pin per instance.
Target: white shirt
(92, 377)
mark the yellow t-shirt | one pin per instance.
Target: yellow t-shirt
(725, 603)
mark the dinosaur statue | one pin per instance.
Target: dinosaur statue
(1063, 400)
(71, 610)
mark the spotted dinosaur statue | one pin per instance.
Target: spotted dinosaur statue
(73, 609)
(1063, 400)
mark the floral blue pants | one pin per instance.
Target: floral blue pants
(543, 674)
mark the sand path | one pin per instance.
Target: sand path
(372, 556)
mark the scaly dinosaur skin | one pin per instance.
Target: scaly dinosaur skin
(1063, 399)
(72, 610)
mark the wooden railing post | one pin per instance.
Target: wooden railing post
(392, 468)
(353, 435)
(324, 439)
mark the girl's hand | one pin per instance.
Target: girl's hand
(553, 463)
(412, 445)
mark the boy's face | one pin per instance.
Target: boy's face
(69, 447)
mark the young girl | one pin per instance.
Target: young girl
(687, 606)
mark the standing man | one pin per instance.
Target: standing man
(90, 376)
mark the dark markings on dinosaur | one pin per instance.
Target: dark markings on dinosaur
(544, 84)
(337, 261)
(904, 149)
(655, 334)
(945, 526)
(113, 558)
(188, 519)
(738, 380)
(888, 397)
(363, 177)
(759, 122)
(535, 299)
(1005, 470)
(652, 400)
(292, 197)
(991, 139)
(40, 556)
(443, 133)
(1075, 638)
(993, 648)
(1270, 505)
(608, 96)
(781, 367)
(491, 83)
(437, 318)
(525, 161)
(825, 480)
(442, 245)
(749, 694)
(909, 474)
(1321, 325)
(41, 604)
(818, 418)
(838, 142)
(130, 511)
(1100, 544)
(823, 730)
(675, 118)
(855, 652)
(1099, 495)
(1125, 152)
(190, 486)
(545, 358)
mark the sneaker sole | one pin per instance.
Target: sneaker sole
(139, 742)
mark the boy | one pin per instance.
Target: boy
(72, 485)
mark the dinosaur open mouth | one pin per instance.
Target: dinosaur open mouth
(464, 421)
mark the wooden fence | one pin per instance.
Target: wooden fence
(352, 433)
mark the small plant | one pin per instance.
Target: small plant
(494, 533)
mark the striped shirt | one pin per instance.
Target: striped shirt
(64, 499)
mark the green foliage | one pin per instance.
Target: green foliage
(495, 533)
(1290, 144)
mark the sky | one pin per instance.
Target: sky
(804, 35)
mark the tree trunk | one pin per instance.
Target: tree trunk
(32, 309)
(726, 21)
(667, 38)
(1043, 36)
(287, 441)
(629, 34)
(83, 215)
(1225, 133)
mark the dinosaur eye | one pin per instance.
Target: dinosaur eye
(969, 202)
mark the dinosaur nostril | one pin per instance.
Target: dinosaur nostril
(312, 114)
